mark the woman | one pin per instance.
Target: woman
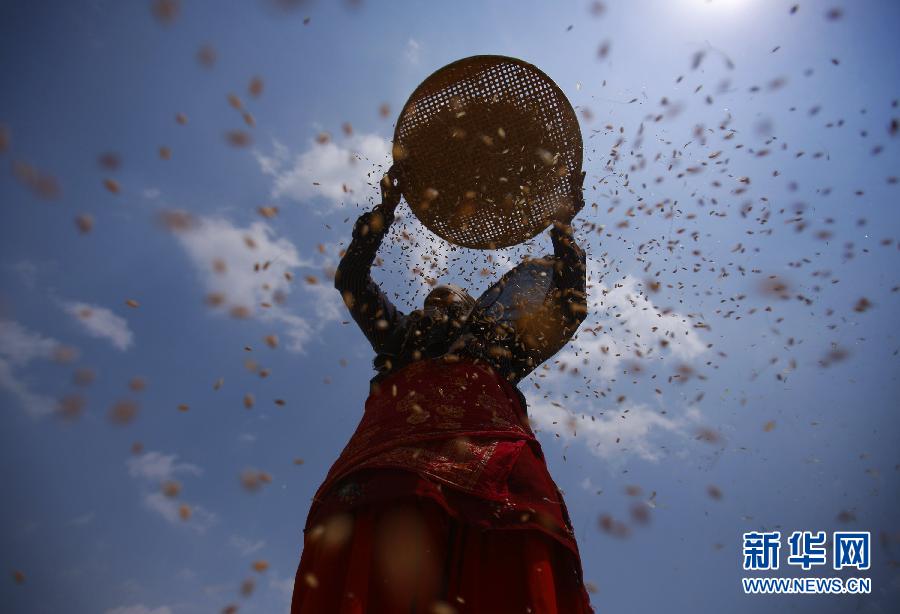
(441, 502)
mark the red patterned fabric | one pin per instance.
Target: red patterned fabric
(441, 496)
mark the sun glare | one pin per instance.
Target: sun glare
(717, 4)
(715, 9)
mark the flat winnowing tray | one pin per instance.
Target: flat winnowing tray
(490, 148)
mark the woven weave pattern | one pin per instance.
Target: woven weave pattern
(490, 147)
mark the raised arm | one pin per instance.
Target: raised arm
(570, 280)
(543, 334)
(521, 337)
(369, 306)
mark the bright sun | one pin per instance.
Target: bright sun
(719, 3)
(717, 6)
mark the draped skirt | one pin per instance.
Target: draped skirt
(441, 503)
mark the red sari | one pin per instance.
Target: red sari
(440, 503)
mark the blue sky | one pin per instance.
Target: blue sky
(771, 405)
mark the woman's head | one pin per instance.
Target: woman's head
(448, 302)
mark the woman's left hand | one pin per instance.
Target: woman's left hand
(576, 203)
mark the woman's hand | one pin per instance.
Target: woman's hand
(575, 205)
(378, 219)
(391, 188)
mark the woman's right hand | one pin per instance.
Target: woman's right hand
(391, 188)
(378, 219)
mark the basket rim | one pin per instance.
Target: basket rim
(577, 150)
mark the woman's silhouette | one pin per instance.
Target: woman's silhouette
(441, 502)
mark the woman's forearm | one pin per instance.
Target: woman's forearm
(570, 274)
(370, 308)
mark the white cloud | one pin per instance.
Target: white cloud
(200, 520)
(625, 322)
(217, 242)
(338, 173)
(631, 428)
(159, 467)
(246, 546)
(298, 329)
(34, 403)
(272, 164)
(101, 322)
(413, 51)
(232, 263)
(630, 323)
(139, 609)
(327, 303)
(18, 347)
(154, 468)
